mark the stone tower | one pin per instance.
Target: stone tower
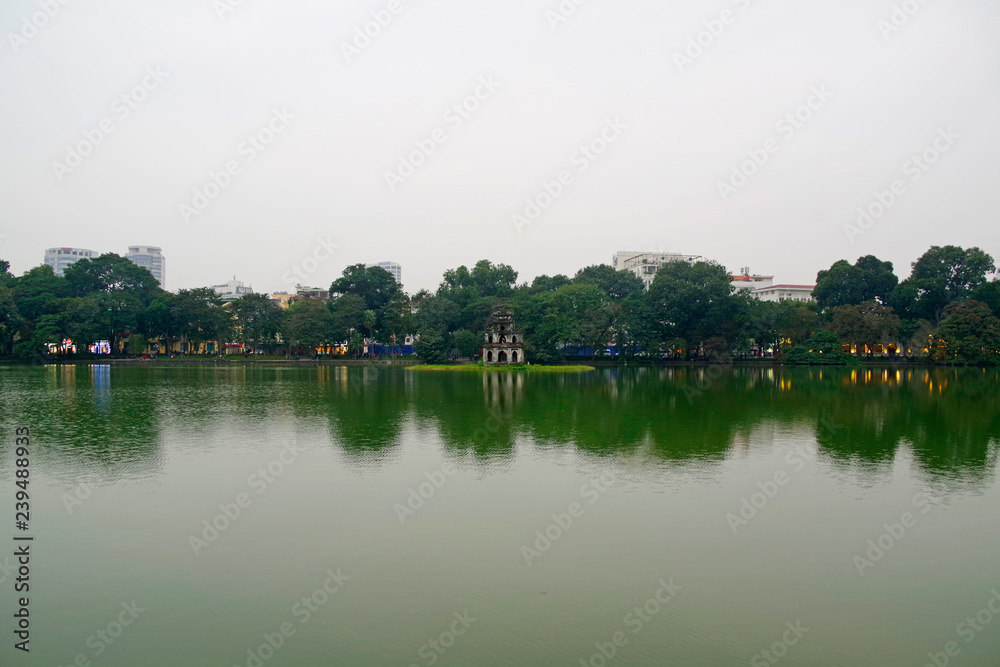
(504, 343)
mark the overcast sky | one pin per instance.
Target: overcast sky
(200, 77)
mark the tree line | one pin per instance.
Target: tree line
(947, 306)
(945, 310)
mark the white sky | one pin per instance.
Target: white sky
(655, 187)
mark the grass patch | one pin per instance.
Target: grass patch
(477, 368)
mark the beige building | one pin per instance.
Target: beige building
(283, 299)
(645, 264)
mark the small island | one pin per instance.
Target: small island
(473, 368)
(503, 349)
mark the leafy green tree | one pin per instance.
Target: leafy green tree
(838, 285)
(772, 324)
(545, 283)
(355, 343)
(418, 299)
(257, 319)
(617, 285)
(373, 284)
(918, 336)
(6, 277)
(456, 283)
(117, 316)
(914, 302)
(968, 334)
(309, 324)
(761, 326)
(10, 319)
(158, 320)
(694, 302)
(111, 273)
(877, 278)
(37, 291)
(439, 313)
(80, 319)
(370, 320)
(493, 279)
(199, 315)
(474, 315)
(716, 349)
(377, 289)
(634, 330)
(468, 343)
(485, 279)
(823, 347)
(48, 329)
(432, 346)
(396, 318)
(825, 341)
(573, 314)
(560, 323)
(475, 291)
(767, 324)
(869, 323)
(76, 318)
(136, 344)
(942, 275)
(988, 293)
(122, 289)
(960, 271)
(541, 335)
(348, 315)
(583, 315)
(869, 278)
(798, 320)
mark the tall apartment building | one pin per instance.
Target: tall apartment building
(392, 267)
(645, 264)
(149, 257)
(60, 258)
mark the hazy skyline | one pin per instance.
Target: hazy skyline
(244, 138)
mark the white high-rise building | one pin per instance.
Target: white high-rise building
(60, 258)
(232, 290)
(744, 280)
(645, 264)
(392, 267)
(149, 257)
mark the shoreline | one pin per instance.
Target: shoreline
(475, 368)
(209, 361)
(467, 367)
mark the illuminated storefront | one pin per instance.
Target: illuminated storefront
(65, 347)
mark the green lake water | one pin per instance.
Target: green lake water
(378, 516)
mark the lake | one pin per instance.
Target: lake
(273, 515)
